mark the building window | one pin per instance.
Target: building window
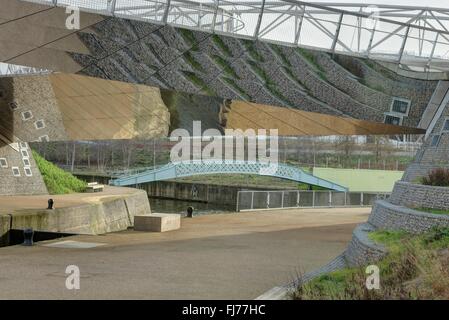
(27, 115)
(26, 162)
(28, 172)
(39, 124)
(435, 140)
(401, 106)
(3, 163)
(394, 120)
(15, 171)
(13, 106)
(24, 145)
(2, 94)
(44, 138)
(25, 154)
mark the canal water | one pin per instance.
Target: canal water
(180, 206)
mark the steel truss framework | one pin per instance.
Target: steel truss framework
(415, 37)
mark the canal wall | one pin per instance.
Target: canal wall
(98, 214)
(186, 191)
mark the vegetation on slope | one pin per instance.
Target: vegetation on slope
(236, 87)
(269, 84)
(417, 267)
(308, 55)
(227, 68)
(438, 177)
(198, 82)
(57, 180)
(221, 45)
(434, 211)
(191, 60)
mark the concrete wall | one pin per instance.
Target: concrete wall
(225, 195)
(23, 184)
(106, 215)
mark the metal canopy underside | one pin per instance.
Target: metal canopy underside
(175, 170)
(416, 37)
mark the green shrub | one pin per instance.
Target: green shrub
(416, 267)
(437, 177)
(57, 180)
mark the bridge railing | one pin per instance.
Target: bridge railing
(288, 199)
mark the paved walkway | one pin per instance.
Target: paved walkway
(223, 256)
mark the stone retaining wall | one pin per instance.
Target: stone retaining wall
(387, 216)
(361, 250)
(419, 196)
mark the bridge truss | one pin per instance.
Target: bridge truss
(174, 170)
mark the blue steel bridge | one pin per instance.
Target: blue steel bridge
(174, 170)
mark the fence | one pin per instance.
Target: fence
(283, 199)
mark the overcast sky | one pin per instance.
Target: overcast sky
(422, 3)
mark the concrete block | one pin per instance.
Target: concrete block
(157, 222)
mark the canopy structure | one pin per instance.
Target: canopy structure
(415, 37)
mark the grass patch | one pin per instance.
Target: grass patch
(198, 82)
(191, 60)
(417, 267)
(225, 66)
(281, 55)
(313, 61)
(221, 45)
(57, 180)
(252, 50)
(189, 37)
(237, 88)
(434, 211)
(269, 84)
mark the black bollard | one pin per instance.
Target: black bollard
(50, 204)
(28, 235)
(189, 212)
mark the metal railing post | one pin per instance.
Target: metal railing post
(313, 198)
(238, 198)
(282, 200)
(252, 200)
(268, 200)
(297, 198)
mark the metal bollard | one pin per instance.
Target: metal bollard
(28, 235)
(50, 204)
(189, 212)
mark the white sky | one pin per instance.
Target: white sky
(421, 3)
